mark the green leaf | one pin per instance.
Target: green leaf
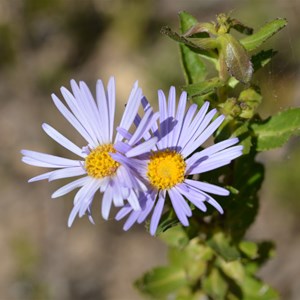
(266, 250)
(245, 138)
(262, 58)
(186, 21)
(193, 259)
(189, 42)
(249, 248)
(236, 128)
(257, 254)
(205, 43)
(175, 237)
(193, 66)
(242, 28)
(222, 245)
(168, 220)
(215, 285)
(162, 282)
(276, 130)
(234, 270)
(203, 88)
(257, 39)
(241, 209)
(203, 91)
(166, 30)
(254, 289)
(235, 58)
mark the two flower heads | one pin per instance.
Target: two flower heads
(143, 166)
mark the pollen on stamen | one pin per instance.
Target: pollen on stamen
(166, 169)
(99, 163)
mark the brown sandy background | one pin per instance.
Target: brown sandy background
(43, 44)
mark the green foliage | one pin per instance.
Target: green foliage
(197, 269)
(221, 244)
(193, 66)
(249, 248)
(162, 281)
(262, 58)
(210, 259)
(168, 220)
(276, 130)
(195, 70)
(204, 87)
(257, 39)
(255, 289)
(232, 54)
(242, 208)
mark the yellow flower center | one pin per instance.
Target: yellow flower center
(166, 169)
(99, 163)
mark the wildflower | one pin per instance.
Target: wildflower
(169, 164)
(94, 120)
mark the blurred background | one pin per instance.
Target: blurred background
(43, 44)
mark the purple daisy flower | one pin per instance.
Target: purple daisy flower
(167, 166)
(94, 120)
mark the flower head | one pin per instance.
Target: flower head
(167, 166)
(94, 121)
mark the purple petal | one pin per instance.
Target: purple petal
(216, 160)
(122, 147)
(144, 126)
(94, 115)
(67, 172)
(157, 213)
(103, 109)
(111, 99)
(209, 199)
(194, 197)
(211, 150)
(203, 136)
(89, 213)
(54, 160)
(123, 212)
(179, 209)
(142, 148)
(37, 163)
(148, 207)
(125, 134)
(74, 122)
(41, 177)
(162, 119)
(134, 201)
(106, 202)
(207, 187)
(179, 117)
(117, 193)
(131, 220)
(62, 140)
(79, 106)
(195, 128)
(176, 195)
(70, 187)
(208, 166)
(131, 109)
(171, 112)
(186, 122)
(73, 214)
